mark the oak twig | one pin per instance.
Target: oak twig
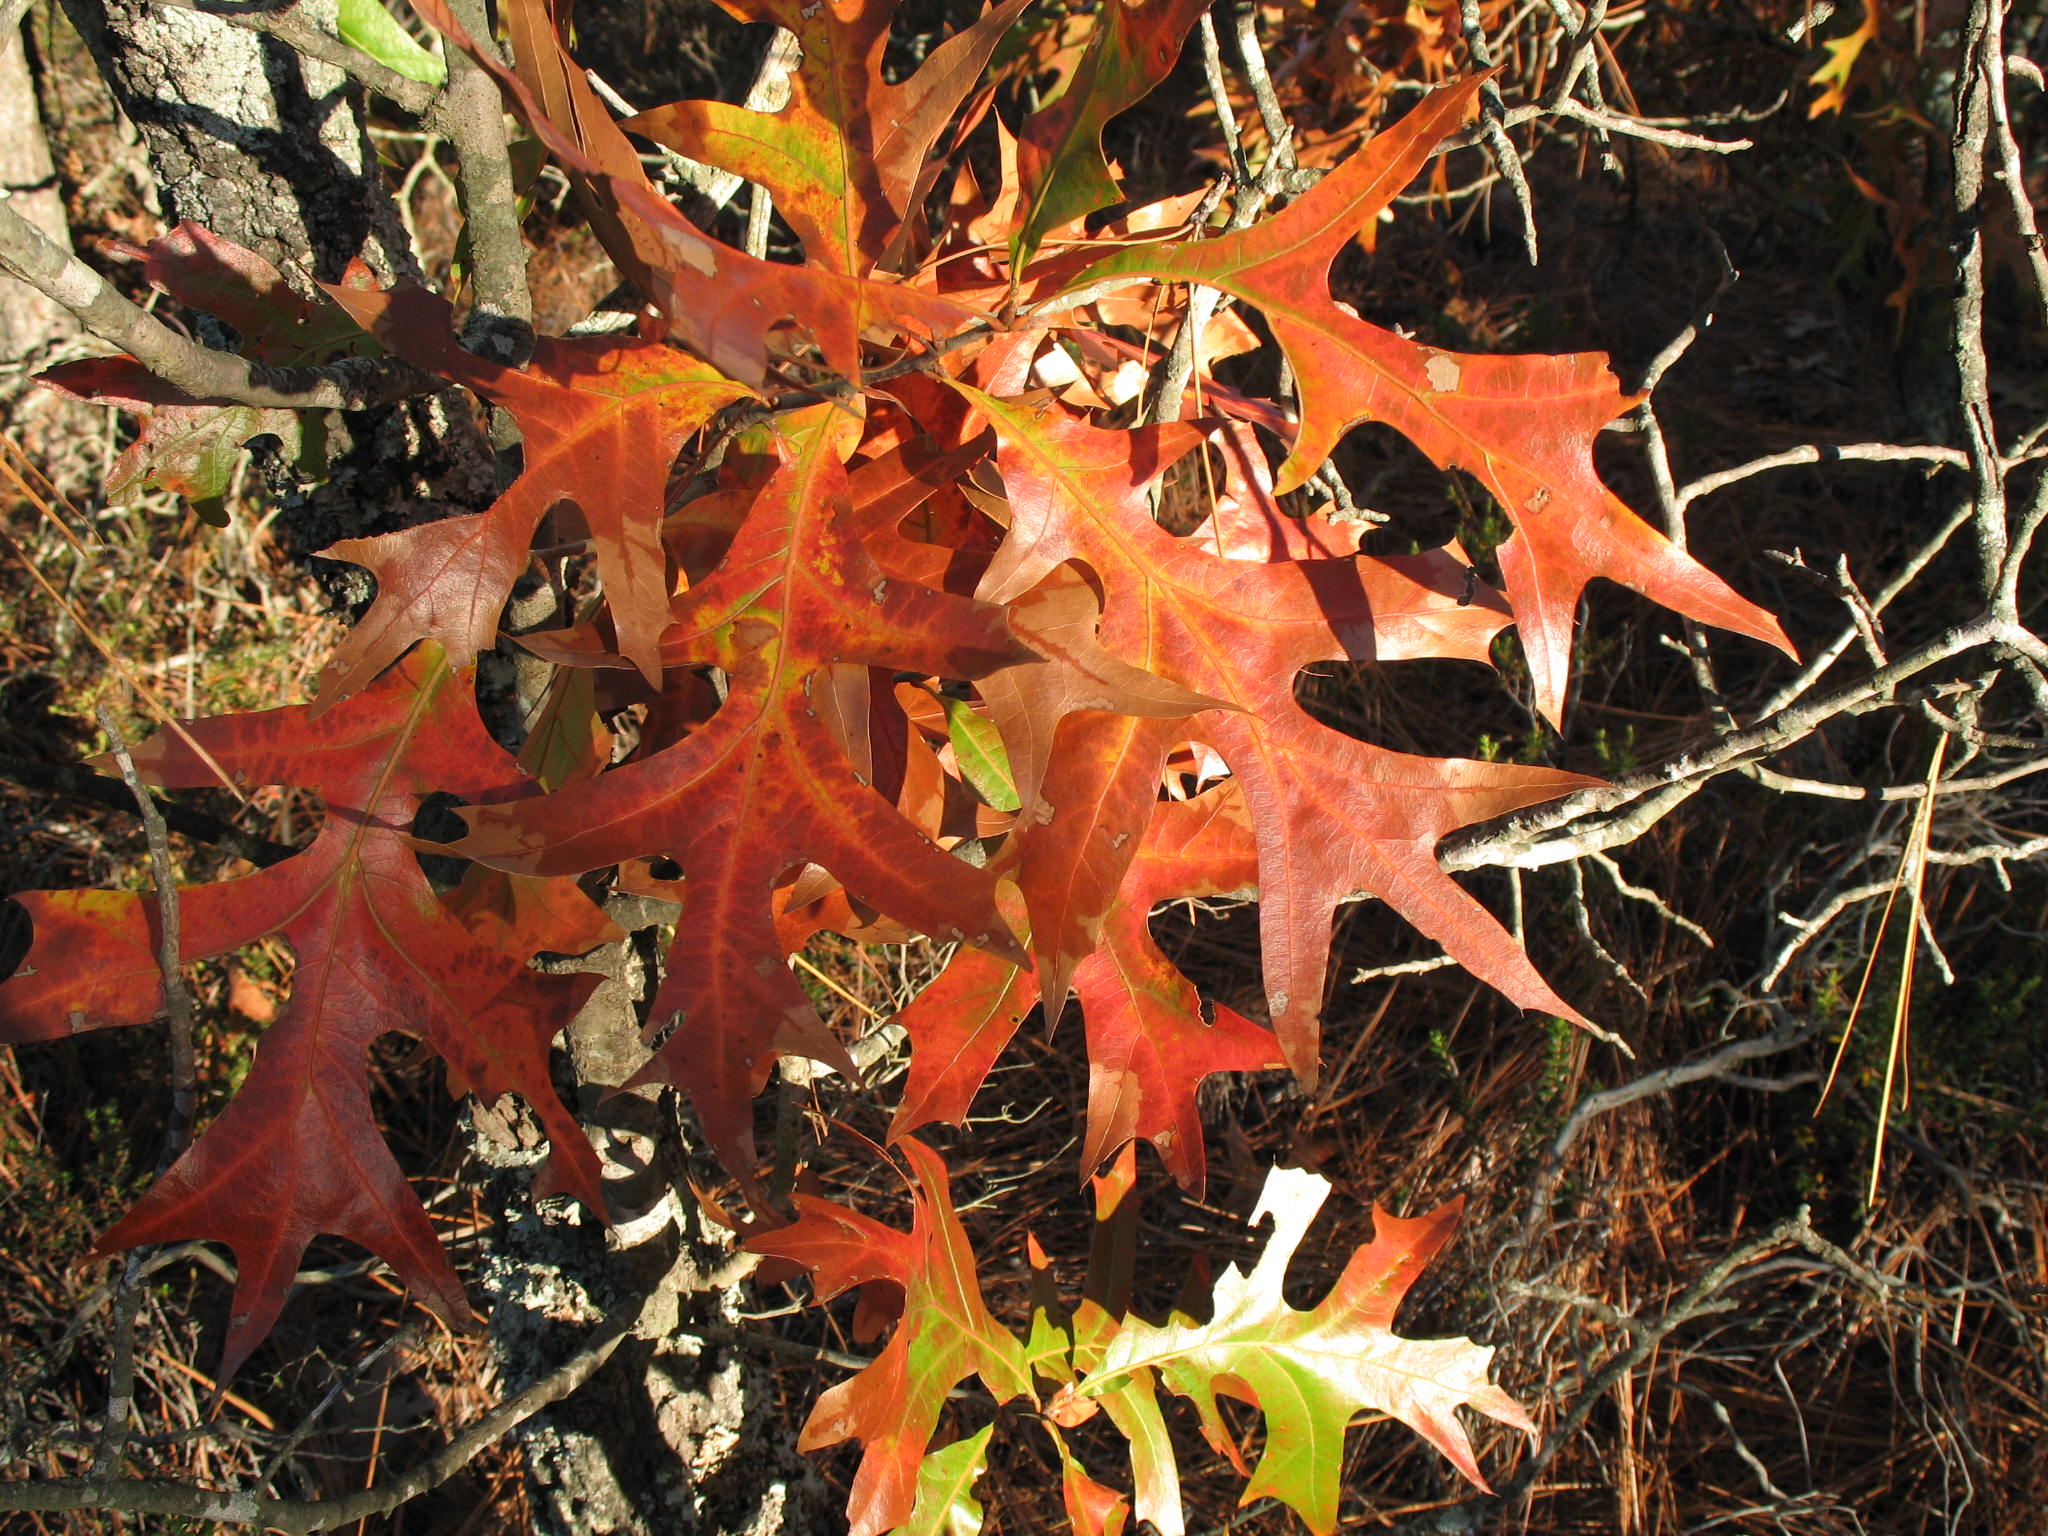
(206, 376)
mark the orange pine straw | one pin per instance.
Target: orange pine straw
(802, 962)
(199, 1378)
(1912, 873)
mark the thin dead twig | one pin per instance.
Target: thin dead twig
(205, 376)
(184, 1099)
(1786, 1036)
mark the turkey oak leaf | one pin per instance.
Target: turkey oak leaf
(946, 1335)
(194, 451)
(1092, 1508)
(946, 1505)
(1132, 1405)
(1312, 1372)
(297, 1152)
(118, 380)
(720, 303)
(843, 156)
(529, 915)
(1524, 426)
(1330, 814)
(841, 1248)
(603, 418)
(764, 786)
(1060, 166)
(185, 446)
(1149, 1045)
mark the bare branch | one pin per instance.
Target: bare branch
(1492, 128)
(113, 1439)
(1833, 651)
(1791, 784)
(1981, 80)
(1821, 453)
(1650, 899)
(1405, 968)
(1599, 819)
(1583, 921)
(1696, 1301)
(1789, 1034)
(295, 31)
(208, 377)
(472, 117)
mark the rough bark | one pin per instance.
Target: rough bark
(676, 1435)
(270, 149)
(28, 321)
(248, 138)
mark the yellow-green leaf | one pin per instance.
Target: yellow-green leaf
(367, 26)
(978, 746)
(946, 1505)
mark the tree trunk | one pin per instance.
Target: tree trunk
(248, 138)
(271, 150)
(29, 322)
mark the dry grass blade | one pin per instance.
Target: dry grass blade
(1910, 876)
(112, 658)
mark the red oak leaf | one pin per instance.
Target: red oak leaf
(1524, 426)
(297, 1152)
(603, 418)
(1149, 1046)
(1331, 814)
(765, 786)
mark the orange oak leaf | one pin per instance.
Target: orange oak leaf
(1057, 618)
(843, 157)
(958, 1026)
(720, 303)
(1331, 814)
(1313, 1372)
(1149, 1044)
(1524, 426)
(765, 785)
(603, 418)
(945, 1336)
(1092, 1508)
(1060, 167)
(297, 1152)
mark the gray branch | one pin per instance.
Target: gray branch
(208, 377)
(295, 31)
(471, 114)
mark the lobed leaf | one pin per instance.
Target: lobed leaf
(297, 1153)
(946, 1335)
(1312, 1372)
(1523, 426)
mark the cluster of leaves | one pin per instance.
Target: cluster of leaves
(872, 561)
